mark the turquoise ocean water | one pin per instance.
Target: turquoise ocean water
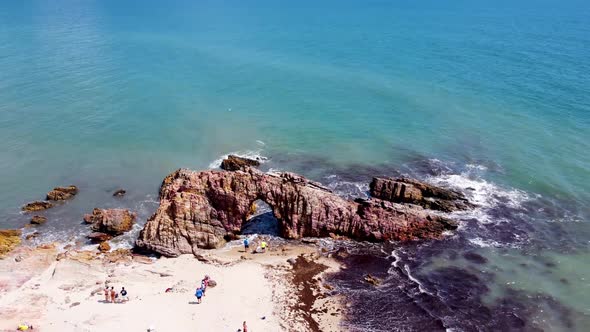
(489, 97)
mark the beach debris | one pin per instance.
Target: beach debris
(37, 206)
(9, 239)
(104, 247)
(236, 163)
(18, 258)
(120, 193)
(38, 220)
(62, 193)
(111, 221)
(372, 280)
(74, 304)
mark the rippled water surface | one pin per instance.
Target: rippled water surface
(488, 98)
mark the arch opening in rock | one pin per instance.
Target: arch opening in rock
(261, 220)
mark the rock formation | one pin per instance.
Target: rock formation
(104, 247)
(404, 190)
(9, 239)
(38, 220)
(37, 206)
(235, 163)
(197, 209)
(111, 221)
(62, 193)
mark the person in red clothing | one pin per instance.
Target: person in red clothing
(245, 328)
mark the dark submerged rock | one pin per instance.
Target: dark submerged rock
(119, 193)
(235, 163)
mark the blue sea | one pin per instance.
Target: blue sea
(488, 97)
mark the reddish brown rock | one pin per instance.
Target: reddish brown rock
(119, 193)
(197, 209)
(99, 237)
(235, 163)
(38, 220)
(37, 206)
(404, 190)
(111, 221)
(62, 193)
(104, 247)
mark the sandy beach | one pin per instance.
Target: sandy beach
(63, 291)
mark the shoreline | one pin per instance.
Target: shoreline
(57, 291)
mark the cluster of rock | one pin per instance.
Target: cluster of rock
(9, 239)
(200, 209)
(57, 194)
(108, 223)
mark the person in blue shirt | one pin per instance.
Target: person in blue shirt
(246, 244)
(199, 294)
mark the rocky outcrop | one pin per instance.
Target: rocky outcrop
(404, 190)
(37, 206)
(62, 193)
(235, 163)
(197, 209)
(9, 239)
(38, 220)
(110, 221)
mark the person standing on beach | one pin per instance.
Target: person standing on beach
(199, 294)
(107, 294)
(113, 294)
(124, 297)
(246, 245)
(245, 327)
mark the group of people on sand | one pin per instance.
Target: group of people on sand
(111, 296)
(200, 292)
(259, 249)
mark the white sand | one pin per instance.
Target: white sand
(58, 297)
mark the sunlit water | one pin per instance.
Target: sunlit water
(488, 98)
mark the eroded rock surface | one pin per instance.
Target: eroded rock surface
(111, 221)
(404, 190)
(197, 209)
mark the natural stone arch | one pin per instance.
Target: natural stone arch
(199, 209)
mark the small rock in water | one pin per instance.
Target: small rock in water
(31, 236)
(37, 206)
(120, 193)
(99, 237)
(38, 220)
(62, 193)
(235, 163)
(475, 258)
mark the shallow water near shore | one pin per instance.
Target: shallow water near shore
(488, 100)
